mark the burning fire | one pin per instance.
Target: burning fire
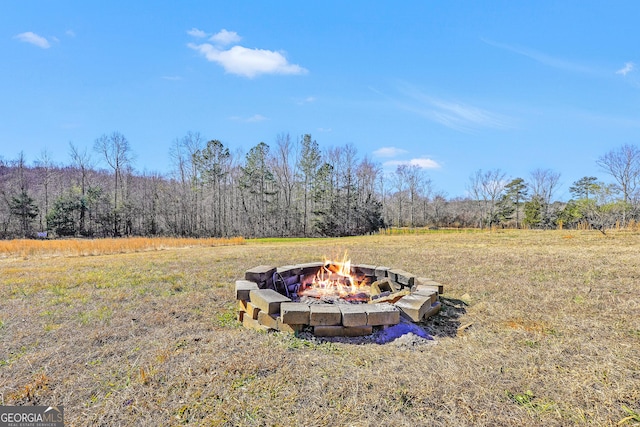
(335, 281)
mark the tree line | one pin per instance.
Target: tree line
(595, 204)
(292, 188)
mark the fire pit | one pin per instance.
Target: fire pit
(333, 298)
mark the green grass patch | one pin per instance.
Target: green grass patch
(282, 240)
(399, 231)
(632, 416)
(101, 315)
(13, 357)
(529, 401)
(227, 318)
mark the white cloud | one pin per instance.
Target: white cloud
(307, 100)
(34, 39)
(389, 152)
(325, 130)
(173, 78)
(247, 62)
(253, 119)
(541, 57)
(425, 163)
(256, 118)
(458, 115)
(422, 162)
(628, 67)
(224, 38)
(453, 114)
(197, 33)
(70, 33)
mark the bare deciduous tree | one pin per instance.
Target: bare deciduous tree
(418, 186)
(308, 164)
(46, 168)
(117, 154)
(623, 164)
(438, 206)
(543, 183)
(284, 161)
(486, 188)
(82, 161)
(189, 193)
(493, 183)
(400, 184)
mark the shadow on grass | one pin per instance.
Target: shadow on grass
(446, 323)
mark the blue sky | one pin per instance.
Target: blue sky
(452, 86)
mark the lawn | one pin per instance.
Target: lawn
(550, 335)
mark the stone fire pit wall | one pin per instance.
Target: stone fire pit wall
(263, 303)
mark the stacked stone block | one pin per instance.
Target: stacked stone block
(400, 293)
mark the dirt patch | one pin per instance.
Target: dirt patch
(448, 322)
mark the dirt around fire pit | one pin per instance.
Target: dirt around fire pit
(404, 334)
(447, 323)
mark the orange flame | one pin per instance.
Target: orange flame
(335, 280)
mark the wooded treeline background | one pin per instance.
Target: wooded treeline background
(292, 188)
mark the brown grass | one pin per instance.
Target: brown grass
(150, 338)
(85, 247)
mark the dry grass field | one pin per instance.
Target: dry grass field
(551, 336)
(83, 247)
